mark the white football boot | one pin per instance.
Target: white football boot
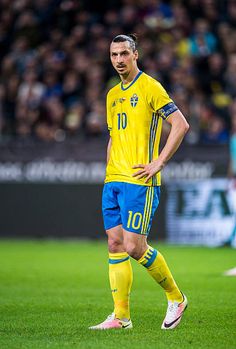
(112, 322)
(174, 314)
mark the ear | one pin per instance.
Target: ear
(136, 54)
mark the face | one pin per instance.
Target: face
(123, 59)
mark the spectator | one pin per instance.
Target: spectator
(96, 121)
(203, 42)
(216, 132)
(31, 90)
(54, 71)
(74, 118)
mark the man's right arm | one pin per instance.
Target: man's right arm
(108, 149)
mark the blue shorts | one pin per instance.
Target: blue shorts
(131, 205)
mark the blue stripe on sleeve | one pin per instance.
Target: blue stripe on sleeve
(166, 110)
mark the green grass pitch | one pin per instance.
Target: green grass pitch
(51, 291)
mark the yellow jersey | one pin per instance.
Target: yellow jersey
(134, 116)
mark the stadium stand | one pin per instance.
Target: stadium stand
(55, 68)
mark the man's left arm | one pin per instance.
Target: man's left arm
(179, 128)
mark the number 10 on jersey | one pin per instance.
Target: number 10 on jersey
(122, 121)
(134, 220)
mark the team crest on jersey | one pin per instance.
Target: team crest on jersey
(118, 100)
(134, 100)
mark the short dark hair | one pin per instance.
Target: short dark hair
(131, 38)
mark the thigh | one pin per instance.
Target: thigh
(110, 207)
(138, 207)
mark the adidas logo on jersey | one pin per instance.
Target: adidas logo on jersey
(118, 100)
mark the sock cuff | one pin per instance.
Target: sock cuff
(148, 257)
(115, 258)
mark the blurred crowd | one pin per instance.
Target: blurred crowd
(55, 67)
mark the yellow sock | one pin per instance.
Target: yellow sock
(158, 269)
(121, 278)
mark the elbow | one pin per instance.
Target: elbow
(186, 127)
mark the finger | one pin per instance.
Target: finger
(141, 175)
(138, 173)
(139, 166)
(148, 177)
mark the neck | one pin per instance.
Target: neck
(127, 78)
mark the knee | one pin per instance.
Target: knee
(115, 245)
(133, 250)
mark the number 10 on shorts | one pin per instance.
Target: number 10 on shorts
(134, 220)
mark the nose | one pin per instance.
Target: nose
(119, 59)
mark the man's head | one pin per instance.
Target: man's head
(124, 54)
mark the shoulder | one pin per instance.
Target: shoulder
(150, 82)
(113, 91)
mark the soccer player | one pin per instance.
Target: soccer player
(136, 108)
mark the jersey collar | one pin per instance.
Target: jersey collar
(132, 82)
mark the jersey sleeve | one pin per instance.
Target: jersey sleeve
(109, 118)
(160, 101)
